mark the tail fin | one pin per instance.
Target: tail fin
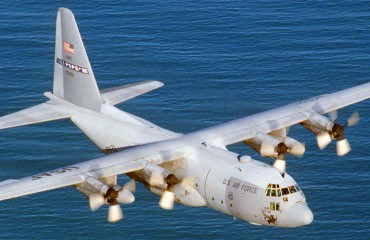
(74, 79)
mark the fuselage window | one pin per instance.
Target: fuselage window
(279, 192)
(273, 193)
(274, 190)
(268, 192)
(285, 191)
(277, 206)
(272, 206)
(292, 189)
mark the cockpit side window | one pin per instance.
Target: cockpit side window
(274, 190)
(285, 191)
(292, 189)
(273, 193)
(268, 192)
(279, 192)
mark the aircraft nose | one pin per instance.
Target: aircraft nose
(298, 214)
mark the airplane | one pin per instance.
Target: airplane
(195, 169)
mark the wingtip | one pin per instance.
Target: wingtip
(63, 10)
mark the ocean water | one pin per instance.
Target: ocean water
(219, 60)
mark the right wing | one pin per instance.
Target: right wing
(266, 122)
(114, 164)
(123, 93)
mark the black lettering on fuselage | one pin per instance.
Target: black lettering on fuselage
(249, 189)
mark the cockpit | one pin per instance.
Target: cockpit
(274, 190)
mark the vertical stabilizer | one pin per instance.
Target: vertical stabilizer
(74, 79)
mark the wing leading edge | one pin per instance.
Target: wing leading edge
(110, 165)
(275, 119)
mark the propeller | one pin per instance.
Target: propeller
(113, 197)
(323, 139)
(343, 146)
(115, 213)
(183, 187)
(280, 164)
(288, 146)
(167, 200)
(294, 148)
(96, 200)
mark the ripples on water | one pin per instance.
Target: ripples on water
(219, 61)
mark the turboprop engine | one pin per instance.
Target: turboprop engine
(272, 147)
(100, 193)
(327, 129)
(276, 148)
(155, 176)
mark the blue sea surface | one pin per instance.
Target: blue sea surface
(219, 61)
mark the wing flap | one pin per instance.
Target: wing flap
(40, 113)
(123, 93)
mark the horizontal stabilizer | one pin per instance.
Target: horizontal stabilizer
(40, 113)
(123, 93)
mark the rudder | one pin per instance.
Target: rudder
(74, 79)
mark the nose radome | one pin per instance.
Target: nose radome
(298, 214)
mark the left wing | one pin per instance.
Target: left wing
(279, 118)
(43, 112)
(114, 164)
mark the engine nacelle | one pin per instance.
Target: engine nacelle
(272, 147)
(317, 123)
(294, 147)
(261, 138)
(93, 186)
(154, 176)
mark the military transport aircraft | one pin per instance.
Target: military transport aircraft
(194, 169)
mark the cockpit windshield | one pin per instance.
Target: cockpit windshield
(274, 190)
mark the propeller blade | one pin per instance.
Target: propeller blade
(343, 147)
(323, 139)
(267, 149)
(353, 119)
(125, 196)
(96, 201)
(333, 115)
(130, 186)
(280, 164)
(167, 200)
(114, 213)
(297, 149)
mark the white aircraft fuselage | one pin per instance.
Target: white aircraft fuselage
(227, 182)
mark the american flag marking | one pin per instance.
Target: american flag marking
(68, 47)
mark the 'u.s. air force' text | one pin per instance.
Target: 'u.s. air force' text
(242, 187)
